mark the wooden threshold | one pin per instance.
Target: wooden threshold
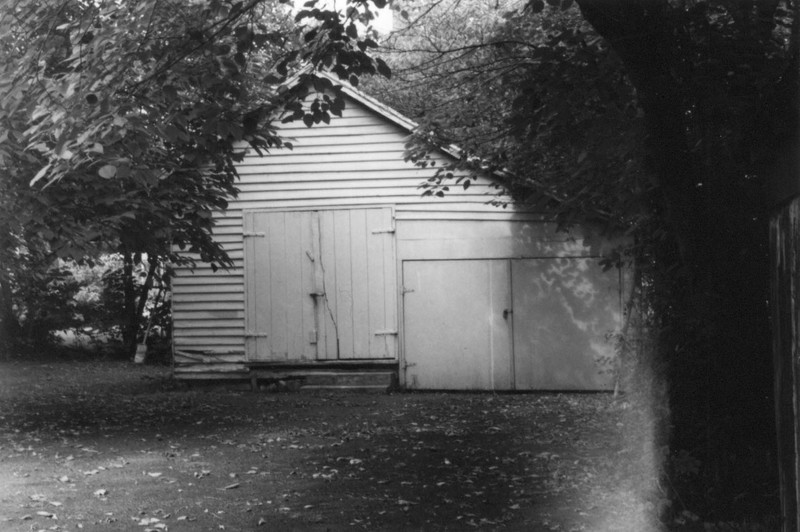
(348, 363)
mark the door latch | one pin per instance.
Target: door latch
(506, 313)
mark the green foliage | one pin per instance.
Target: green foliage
(43, 299)
(62, 295)
(537, 98)
(132, 115)
(121, 122)
(45, 303)
(110, 308)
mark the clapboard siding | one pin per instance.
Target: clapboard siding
(237, 297)
(355, 161)
(199, 318)
(187, 282)
(331, 152)
(355, 178)
(277, 159)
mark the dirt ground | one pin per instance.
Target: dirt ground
(102, 445)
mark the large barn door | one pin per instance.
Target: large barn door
(320, 285)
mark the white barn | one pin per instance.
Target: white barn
(346, 276)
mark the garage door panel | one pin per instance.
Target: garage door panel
(455, 335)
(555, 335)
(564, 312)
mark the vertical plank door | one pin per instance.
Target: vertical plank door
(357, 259)
(321, 285)
(280, 317)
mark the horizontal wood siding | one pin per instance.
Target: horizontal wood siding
(355, 161)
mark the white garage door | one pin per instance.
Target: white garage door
(527, 324)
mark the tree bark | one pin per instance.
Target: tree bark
(715, 340)
(145, 290)
(784, 192)
(785, 307)
(9, 326)
(130, 324)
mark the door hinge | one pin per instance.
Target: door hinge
(406, 290)
(251, 334)
(386, 332)
(250, 234)
(379, 231)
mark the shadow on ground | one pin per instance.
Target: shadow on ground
(96, 445)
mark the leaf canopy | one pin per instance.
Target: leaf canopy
(126, 119)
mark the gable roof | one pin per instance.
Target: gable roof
(374, 105)
(371, 103)
(391, 115)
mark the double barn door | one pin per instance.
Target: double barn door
(518, 324)
(320, 285)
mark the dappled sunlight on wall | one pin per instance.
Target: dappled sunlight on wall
(572, 311)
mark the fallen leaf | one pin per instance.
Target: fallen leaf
(101, 493)
(231, 486)
(155, 474)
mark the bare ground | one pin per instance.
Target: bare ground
(101, 445)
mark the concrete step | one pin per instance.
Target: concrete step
(349, 379)
(328, 379)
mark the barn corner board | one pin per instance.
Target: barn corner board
(345, 276)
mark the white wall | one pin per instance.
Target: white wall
(357, 160)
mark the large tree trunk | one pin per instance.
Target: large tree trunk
(785, 304)
(784, 192)
(130, 325)
(784, 195)
(715, 338)
(144, 292)
(9, 326)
